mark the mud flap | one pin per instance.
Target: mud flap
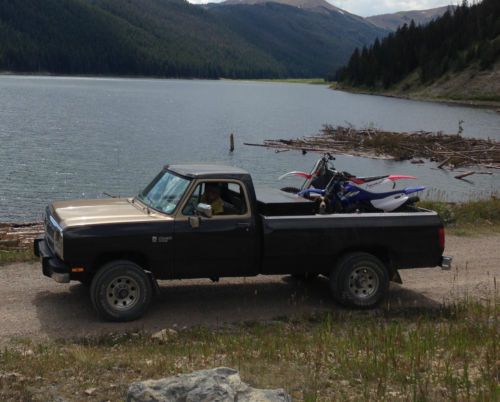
(396, 277)
(154, 283)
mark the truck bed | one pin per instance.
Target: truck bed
(404, 239)
(274, 202)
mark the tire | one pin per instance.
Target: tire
(359, 280)
(293, 190)
(121, 291)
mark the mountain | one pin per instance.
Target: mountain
(421, 17)
(172, 38)
(455, 56)
(312, 5)
(310, 36)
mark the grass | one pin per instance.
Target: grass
(479, 98)
(468, 218)
(450, 353)
(12, 256)
(314, 81)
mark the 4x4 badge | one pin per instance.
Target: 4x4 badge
(161, 239)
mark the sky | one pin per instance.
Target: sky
(366, 8)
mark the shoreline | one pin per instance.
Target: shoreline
(479, 104)
(311, 81)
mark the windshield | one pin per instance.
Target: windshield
(164, 192)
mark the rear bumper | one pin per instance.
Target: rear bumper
(445, 263)
(52, 266)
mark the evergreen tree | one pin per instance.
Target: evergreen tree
(469, 34)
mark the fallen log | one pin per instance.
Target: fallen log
(461, 176)
(440, 166)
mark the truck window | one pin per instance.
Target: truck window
(226, 198)
(164, 192)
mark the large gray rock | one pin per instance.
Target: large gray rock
(221, 384)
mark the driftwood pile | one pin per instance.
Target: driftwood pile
(19, 236)
(451, 150)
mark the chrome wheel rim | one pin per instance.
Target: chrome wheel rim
(123, 293)
(363, 282)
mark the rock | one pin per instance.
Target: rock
(90, 391)
(164, 335)
(221, 384)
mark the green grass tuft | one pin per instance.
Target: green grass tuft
(468, 217)
(12, 256)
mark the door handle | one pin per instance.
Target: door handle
(194, 222)
(243, 225)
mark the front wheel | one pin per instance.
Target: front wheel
(359, 280)
(121, 291)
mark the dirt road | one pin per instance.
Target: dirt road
(33, 306)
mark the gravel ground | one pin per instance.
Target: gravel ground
(36, 307)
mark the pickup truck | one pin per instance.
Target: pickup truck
(208, 221)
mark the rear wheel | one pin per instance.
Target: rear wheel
(121, 291)
(359, 280)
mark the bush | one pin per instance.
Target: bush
(478, 212)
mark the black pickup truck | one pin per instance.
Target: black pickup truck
(208, 221)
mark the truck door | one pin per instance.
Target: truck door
(225, 244)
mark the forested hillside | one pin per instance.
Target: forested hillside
(172, 38)
(310, 41)
(468, 36)
(126, 37)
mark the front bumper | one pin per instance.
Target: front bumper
(52, 266)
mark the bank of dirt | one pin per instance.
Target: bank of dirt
(471, 87)
(36, 307)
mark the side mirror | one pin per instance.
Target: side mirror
(204, 210)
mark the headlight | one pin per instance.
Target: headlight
(59, 243)
(57, 236)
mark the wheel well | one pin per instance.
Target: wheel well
(383, 254)
(136, 258)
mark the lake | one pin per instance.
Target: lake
(64, 138)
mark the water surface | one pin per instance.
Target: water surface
(64, 138)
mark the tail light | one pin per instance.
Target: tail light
(441, 238)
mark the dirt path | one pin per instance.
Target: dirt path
(33, 306)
